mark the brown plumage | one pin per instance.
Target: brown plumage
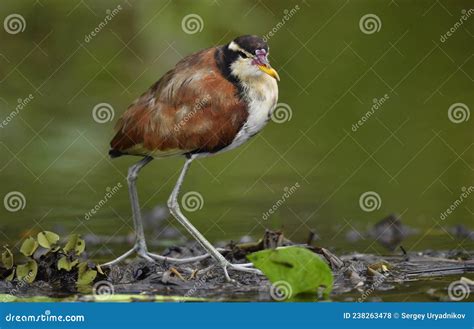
(192, 108)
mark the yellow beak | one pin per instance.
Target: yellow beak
(270, 71)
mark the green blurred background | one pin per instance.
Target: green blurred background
(409, 152)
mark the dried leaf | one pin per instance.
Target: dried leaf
(380, 267)
(99, 269)
(29, 246)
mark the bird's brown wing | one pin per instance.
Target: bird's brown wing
(192, 108)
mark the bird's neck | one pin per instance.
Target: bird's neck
(224, 58)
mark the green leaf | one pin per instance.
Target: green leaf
(47, 239)
(76, 244)
(7, 258)
(85, 275)
(293, 270)
(27, 272)
(65, 264)
(29, 246)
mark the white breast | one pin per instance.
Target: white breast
(262, 97)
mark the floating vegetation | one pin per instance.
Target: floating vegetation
(49, 261)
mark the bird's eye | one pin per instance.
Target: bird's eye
(242, 54)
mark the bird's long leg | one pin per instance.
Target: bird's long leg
(140, 244)
(176, 211)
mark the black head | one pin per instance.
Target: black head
(244, 58)
(251, 43)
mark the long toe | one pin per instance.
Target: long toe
(226, 274)
(118, 259)
(245, 268)
(178, 260)
(245, 265)
(140, 252)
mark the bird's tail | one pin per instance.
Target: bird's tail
(113, 153)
